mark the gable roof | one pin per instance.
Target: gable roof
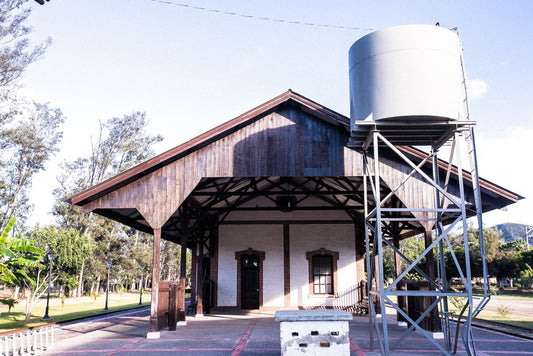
(287, 98)
(134, 173)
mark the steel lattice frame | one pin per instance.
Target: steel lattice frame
(446, 208)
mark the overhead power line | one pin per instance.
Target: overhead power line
(223, 12)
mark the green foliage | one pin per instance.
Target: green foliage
(94, 296)
(72, 250)
(503, 310)
(16, 256)
(26, 145)
(121, 143)
(526, 276)
(457, 302)
(28, 130)
(10, 302)
(16, 50)
(515, 245)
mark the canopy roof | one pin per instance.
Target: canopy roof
(287, 151)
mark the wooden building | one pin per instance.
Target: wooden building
(273, 202)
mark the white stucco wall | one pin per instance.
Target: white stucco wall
(338, 238)
(303, 238)
(267, 238)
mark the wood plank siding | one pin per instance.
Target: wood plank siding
(289, 136)
(287, 142)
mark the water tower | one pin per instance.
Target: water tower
(408, 100)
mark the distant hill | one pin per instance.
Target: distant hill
(511, 232)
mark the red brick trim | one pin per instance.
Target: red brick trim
(286, 266)
(335, 257)
(238, 255)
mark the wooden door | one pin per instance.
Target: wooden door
(250, 282)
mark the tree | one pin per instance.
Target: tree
(121, 143)
(26, 146)
(16, 50)
(72, 250)
(526, 276)
(19, 260)
(28, 131)
(515, 245)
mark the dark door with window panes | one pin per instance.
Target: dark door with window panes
(250, 282)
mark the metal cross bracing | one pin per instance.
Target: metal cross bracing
(446, 211)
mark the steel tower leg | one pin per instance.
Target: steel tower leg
(452, 207)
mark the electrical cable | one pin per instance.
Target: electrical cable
(223, 12)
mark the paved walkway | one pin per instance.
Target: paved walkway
(252, 334)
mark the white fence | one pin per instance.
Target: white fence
(27, 342)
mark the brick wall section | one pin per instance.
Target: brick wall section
(286, 266)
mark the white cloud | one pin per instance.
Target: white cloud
(477, 89)
(504, 160)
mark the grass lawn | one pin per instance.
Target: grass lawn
(71, 308)
(512, 315)
(511, 318)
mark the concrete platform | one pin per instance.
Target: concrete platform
(255, 333)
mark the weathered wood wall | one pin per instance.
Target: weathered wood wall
(285, 143)
(288, 142)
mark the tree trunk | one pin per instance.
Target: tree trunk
(79, 290)
(98, 285)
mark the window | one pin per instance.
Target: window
(322, 272)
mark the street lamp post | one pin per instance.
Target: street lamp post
(109, 262)
(51, 254)
(141, 286)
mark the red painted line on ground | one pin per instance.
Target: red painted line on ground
(237, 350)
(196, 338)
(79, 351)
(357, 349)
(408, 352)
(170, 350)
(125, 347)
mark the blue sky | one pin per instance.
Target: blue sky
(191, 70)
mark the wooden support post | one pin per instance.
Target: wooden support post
(402, 300)
(153, 329)
(430, 259)
(200, 297)
(433, 322)
(376, 298)
(173, 307)
(183, 270)
(194, 274)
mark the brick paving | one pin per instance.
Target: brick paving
(234, 335)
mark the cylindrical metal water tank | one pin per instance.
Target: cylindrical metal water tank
(407, 73)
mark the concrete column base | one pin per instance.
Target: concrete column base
(153, 335)
(437, 335)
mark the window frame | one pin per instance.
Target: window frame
(334, 255)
